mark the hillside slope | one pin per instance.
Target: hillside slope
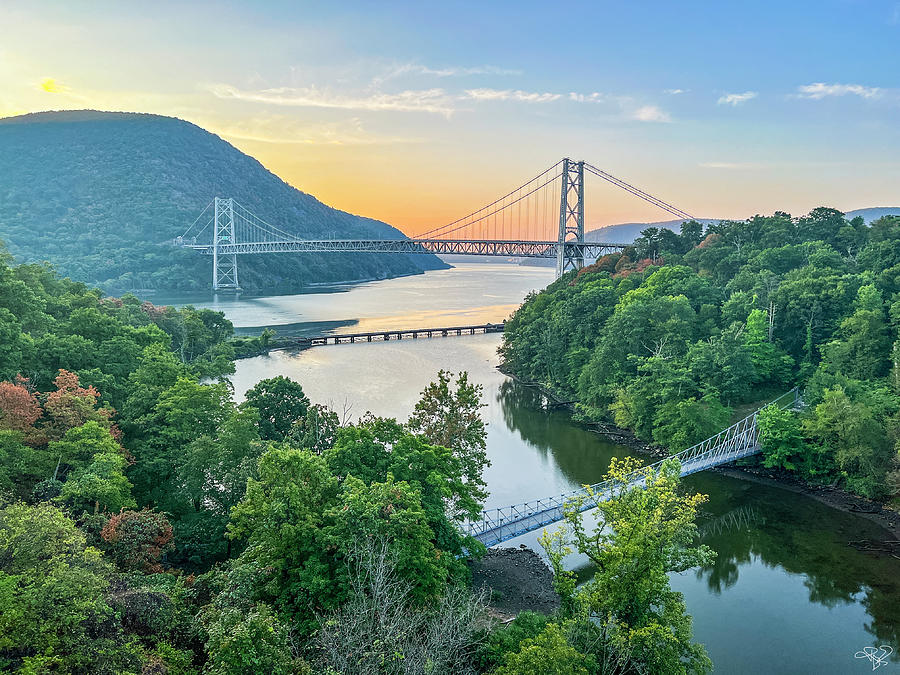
(101, 196)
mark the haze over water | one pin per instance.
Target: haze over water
(786, 593)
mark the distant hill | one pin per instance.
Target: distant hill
(874, 213)
(100, 195)
(625, 233)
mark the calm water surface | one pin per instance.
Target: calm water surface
(785, 595)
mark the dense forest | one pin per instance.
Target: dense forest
(151, 525)
(679, 332)
(102, 195)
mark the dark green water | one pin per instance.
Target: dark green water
(786, 593)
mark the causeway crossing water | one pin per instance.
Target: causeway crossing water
(786, 593)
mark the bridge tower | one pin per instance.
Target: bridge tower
(225, 274)
(571, 218)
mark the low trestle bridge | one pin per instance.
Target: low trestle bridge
(385, 335)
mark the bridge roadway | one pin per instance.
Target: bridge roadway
(383, 335)
(739, 440)
(511, 248)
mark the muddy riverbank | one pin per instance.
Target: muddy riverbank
(516, 580)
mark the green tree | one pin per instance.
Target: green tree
(546, 654)
(317, 430)
(850, 433)
(280, 403)
(641, 535)
(781, 438)
(210, 478)
(452, 418)
(252, 641)
(102, 483)
(75, 450)
(680, 424)
(53, 587)
(281, 520)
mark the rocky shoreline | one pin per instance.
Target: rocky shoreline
(515, 580)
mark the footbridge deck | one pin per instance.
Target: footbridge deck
(739, 440)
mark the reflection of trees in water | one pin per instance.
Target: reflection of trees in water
(780, 528)
(724, 572)
(787, 531)
(581, 455)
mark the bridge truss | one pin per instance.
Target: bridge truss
(542, 218)
(739, 440)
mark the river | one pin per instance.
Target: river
(786, 593)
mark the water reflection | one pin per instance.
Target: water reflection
(580, 455)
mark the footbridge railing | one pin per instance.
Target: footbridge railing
(739, 440)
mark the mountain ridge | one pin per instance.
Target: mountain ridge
(101, 195)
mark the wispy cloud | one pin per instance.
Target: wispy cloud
(650, 113)
(449, 71)
(511, 95)
(285, 130)
(424, 100)
(820, 90)
(675, 92)
(736, 99)
(595, 97)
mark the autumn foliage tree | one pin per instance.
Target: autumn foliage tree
(71, 405)
(137, 540)
(20, 409)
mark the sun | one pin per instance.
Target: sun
(50, 85)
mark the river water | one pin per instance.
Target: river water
(786, 593)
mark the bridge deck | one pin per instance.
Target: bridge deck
(511, 248)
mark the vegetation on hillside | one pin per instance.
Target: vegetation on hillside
(148, 524)
(102, 195)
(668, 337)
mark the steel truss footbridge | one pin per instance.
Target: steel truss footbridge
(739, 440)
(542, 218)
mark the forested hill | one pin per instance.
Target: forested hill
(670, 336)
(101, 195)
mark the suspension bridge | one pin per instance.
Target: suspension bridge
(542, 218)
(739, 440)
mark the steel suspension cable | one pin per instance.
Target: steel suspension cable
(494, 213)
(488, 206)
(618, 182)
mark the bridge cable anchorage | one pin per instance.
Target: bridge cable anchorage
(739, 440)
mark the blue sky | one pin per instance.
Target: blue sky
(416, 112)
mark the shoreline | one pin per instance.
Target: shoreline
(834, 497)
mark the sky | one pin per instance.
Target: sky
(418, 112)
